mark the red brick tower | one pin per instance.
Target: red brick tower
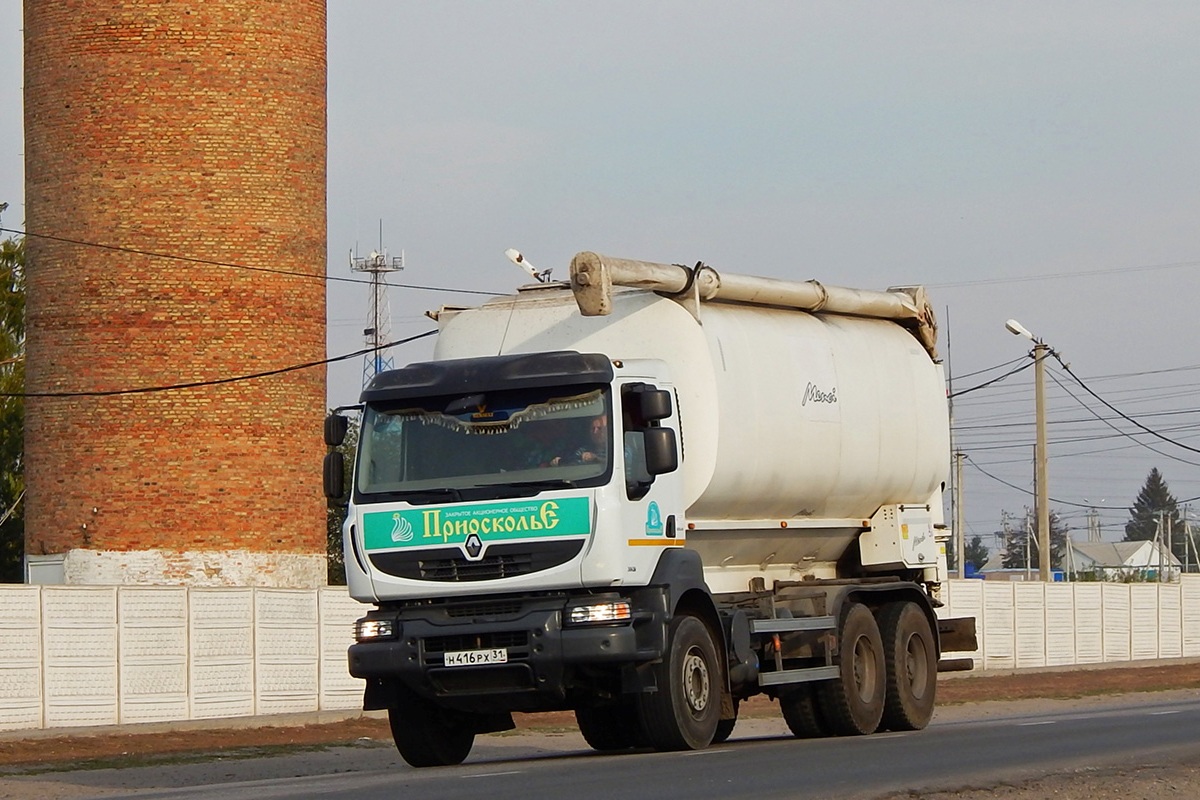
(195, 129)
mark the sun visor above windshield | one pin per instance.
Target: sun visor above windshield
(465, 375)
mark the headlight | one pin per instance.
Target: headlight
(602, 613)
(368, 630)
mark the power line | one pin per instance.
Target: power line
(218, 381)
(1008, 374)
(1067, 368)
(1062, 275)
(231, 265)
(1029, 492)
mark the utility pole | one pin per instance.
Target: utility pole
(960, 536)
(1040, 351)
(1093, 523)
(1028, 536)
(1042, 498)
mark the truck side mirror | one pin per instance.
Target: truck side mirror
(661, 453)
(335, 430)
(654, 404)
(334, 473)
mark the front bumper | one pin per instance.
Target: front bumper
(545, 659)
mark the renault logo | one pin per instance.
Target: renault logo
(473, 546)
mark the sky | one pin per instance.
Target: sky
(1028, 160)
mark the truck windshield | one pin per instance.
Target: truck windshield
(485, 445)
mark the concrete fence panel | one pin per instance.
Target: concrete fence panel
(1029, 628)
(20, 657)
(965, 599)
(153, 654)
(1170, 621)
(999, 614)
(1089, 622)
(79, 656)
(286, 651)
(1189, 591)
(1143, 616)
(1060, 607)
(339, 691)
(221, 653)
(1115, 605)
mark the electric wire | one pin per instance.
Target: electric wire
(1030, 493)
(232, 265)
(984, 385)
(219, 381)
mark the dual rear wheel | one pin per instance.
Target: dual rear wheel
(887, 676)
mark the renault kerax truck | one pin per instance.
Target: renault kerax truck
(644, 496)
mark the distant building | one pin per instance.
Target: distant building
(994, 570)
(1123, 561)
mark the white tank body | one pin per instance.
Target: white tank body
(786, 414)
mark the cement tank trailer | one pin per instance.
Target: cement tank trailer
(645, 496)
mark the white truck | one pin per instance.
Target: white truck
(646, 495)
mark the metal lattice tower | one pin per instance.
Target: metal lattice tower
(378, 330)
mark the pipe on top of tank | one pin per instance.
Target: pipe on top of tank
(593, 276)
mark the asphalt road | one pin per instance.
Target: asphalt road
(760, 762)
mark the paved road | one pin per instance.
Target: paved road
(760, 762)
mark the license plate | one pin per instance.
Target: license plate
(468, 658)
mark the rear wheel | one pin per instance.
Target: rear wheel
(684, 712)
(610, 727)
(429, 736)
(799, 706)
(852, 704)
(910, 655)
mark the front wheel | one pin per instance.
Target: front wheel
(429, 736)
(684, 712)
(610, 727)
(725, 727)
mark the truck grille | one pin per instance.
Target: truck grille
(499, 608)
(435, 646)
(448, 564)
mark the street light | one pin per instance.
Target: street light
(1042, 500)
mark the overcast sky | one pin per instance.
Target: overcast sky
(1035, 160)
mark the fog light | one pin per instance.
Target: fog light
(600, 613)
(366, 630)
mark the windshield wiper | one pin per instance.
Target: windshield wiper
(554, 483)
(429, 495)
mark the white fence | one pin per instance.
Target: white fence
(76, 656)
(73, 655)
(1056, 624)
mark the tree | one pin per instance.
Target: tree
(1154, 507)
(12, 409)
(1021, 542)
(335, 512)
(976, 552)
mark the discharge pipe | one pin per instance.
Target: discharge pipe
(593, 276)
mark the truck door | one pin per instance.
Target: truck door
(653, 513)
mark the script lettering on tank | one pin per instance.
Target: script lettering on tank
(814, 394)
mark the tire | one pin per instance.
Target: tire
(611, 727)
(910, 656)
(852, 704)
(725, 727)
(799, 706)
(684, 712)
(429, 736)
